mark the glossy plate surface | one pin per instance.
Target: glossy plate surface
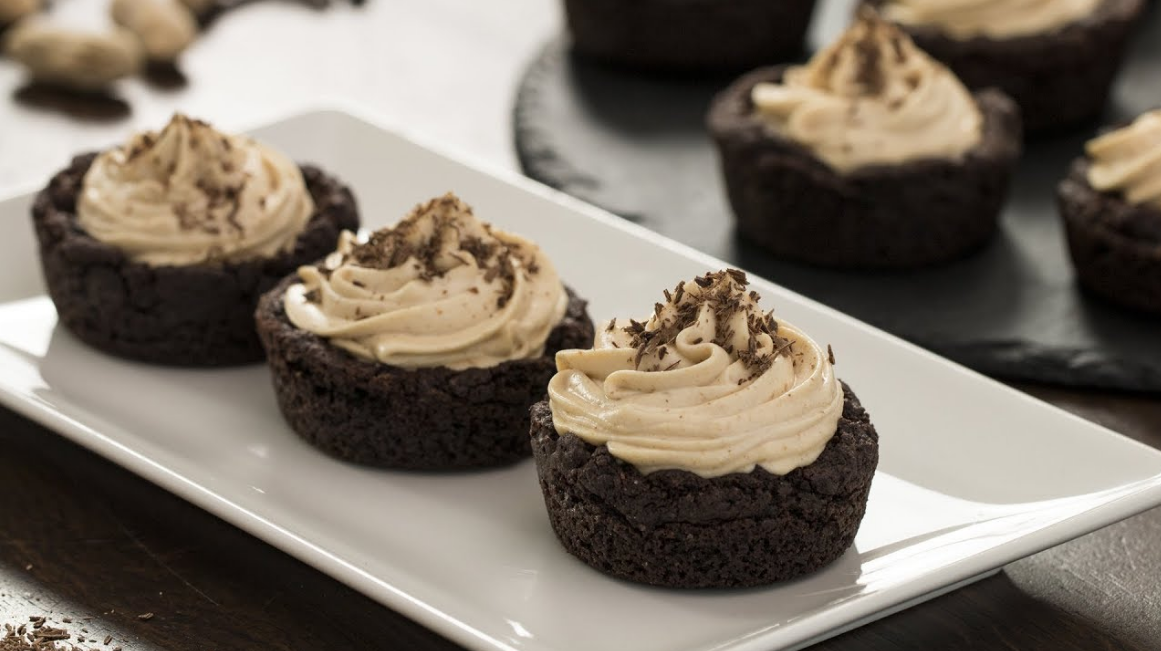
(973, 475)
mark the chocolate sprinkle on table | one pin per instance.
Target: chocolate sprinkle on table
(51, 634)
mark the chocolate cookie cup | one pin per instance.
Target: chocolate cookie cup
(676, 36)
(199, 314)
(1060, 77)
(425, 415)
(915, 212)
(767, 478)
(1114, 233)
(675, 529)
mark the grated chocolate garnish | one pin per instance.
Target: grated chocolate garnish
(869, 71)
(421, 236)
(49, 634)
(143, 144)
(864, 46)
(724, 293)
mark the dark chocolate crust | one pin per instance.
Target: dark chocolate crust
(1115, 246)
(1060, 79)
(918, 213)
(675, 36)
(676, 529)
(418, 419)
(195, 315)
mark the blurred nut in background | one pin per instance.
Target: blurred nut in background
(13, 10)
(165, 27)
(78, 60)
(200, 7)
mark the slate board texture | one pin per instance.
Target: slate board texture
(637, 146)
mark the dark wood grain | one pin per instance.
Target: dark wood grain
(82, 539)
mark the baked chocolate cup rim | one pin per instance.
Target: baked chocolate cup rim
(1075, 187)
(271, 303)
(1105, 12)
(732, 119)
(319, 218)
(756, 482)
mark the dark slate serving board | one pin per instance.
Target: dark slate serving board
(637, 146)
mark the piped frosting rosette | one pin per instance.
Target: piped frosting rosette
(190, 194)
(708, 384)
(870, 98)
(1128, 161)
(441, 288)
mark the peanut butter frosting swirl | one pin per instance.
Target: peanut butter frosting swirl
(870, 98)
(190, 195)
(441, 288)
(709, 384)
(997, 19)
(1128, 161)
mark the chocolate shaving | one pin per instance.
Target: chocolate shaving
(49, 634)
(142, 144)
(724, 295)
(865, 43)
(869, 71)
(431, 234)
(830, 354)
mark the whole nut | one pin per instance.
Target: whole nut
(200, 7)
(165, 27)
(80, 60)
(13, 10)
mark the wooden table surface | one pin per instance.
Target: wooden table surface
(84, 540)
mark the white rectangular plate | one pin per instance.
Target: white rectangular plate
(973, 475)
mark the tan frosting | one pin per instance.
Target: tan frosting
(1128, 161)
(13, 10)
(441, 288)
(190, 194)
(872, 98)
(998, 19)
(709, 384)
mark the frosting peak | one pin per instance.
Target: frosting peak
(441, 288)
(709, 384)
(1128, 161)
(190, 194)
(965, 19)
(872, 97)
(714, 311)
